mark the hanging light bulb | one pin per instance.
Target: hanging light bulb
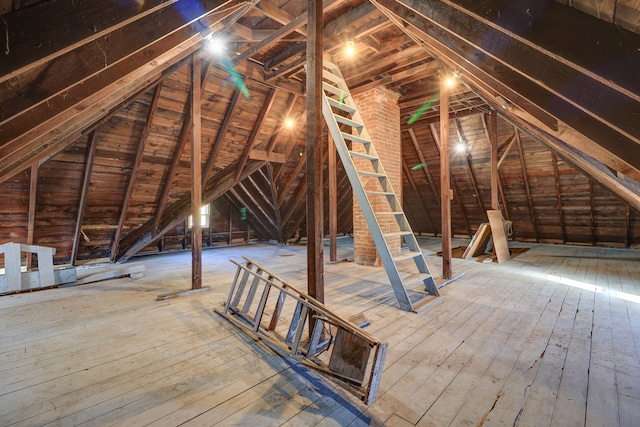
(461, 147)
(288, 122)
(350, 49)
(214, 45)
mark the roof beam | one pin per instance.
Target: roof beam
(60, 107)
(84, 191)
(134, 172)
(567, 90)
(264, 112)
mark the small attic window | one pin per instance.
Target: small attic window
(204, 217)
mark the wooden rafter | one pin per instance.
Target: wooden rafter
(425, 167)
(84, 191)
(179, 211)
(469, 161)
(527, 189)
(423, 204)
(76, 99)
(249, 202)
(457, 39)
(134, 172)
(222, 131)
(274, 200)
(264, 112)
(236, 203)
(183, 137)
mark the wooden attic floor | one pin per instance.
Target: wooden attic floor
(507, 345)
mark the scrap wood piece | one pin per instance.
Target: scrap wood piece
(479, 241)
(259, 302)
(111, 272)
(499, 237)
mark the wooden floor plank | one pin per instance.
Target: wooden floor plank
(546, 338)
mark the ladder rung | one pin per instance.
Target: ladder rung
(355, 138)
(348, 122)
(334, 90)
(424, 303)
(390, 213)
(341, 106)
(362, 155)
(396, 234)
(406, 256)
(382, 193)
(328, 64)
(416, 281)
(330, 76)
(376, 174)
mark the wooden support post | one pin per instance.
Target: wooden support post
(445, 180)
(493, 144)
(333, 200)
(559, 197)
(196, 175)
(32, 210)
(315, 223)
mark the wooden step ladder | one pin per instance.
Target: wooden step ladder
(295, 325)
(416, 289)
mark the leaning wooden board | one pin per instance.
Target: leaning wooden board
(499, 238)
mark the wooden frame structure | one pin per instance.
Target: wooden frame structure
(316, 336)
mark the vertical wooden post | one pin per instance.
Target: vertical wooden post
(445, 179)
(196, 176)
(32, 210)
(333, 201)
(493, 143)
(315, 223)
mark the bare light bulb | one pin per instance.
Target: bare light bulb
(350, 50)
(288, 123)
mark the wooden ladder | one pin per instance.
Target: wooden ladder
(259, 302)
(415, 289)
